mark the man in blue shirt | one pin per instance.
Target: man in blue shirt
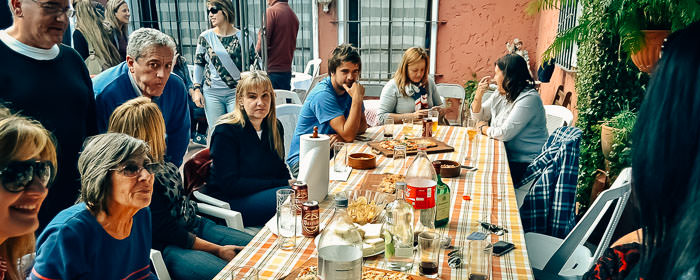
(334, 105)
(147, 72)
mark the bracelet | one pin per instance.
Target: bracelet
(197, 86)
(481, 129)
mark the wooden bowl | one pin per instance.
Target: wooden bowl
(362, 161)
(448, 172)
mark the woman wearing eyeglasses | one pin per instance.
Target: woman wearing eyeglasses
(193, 247)
(27, 168)
(218, 63)
(107, 235)
(116, 24)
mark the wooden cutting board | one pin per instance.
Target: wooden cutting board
(440, 148)
(314, 261)
(371, 182)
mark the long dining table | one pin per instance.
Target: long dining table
(486, 194)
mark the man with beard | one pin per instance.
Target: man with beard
(334, 105)
(48, 81)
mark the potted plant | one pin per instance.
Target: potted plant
(642, 25)
(469, 89)
(617, 131)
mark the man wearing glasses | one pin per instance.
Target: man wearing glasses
(48, 82)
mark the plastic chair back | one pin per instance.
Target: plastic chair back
(288, 115)
(452, 91)
(286, 97)
(316, 63)
(620, 192)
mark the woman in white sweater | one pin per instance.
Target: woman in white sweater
(411, 93)
(516, 114)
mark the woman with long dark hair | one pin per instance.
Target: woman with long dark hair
(665, 171)
(516, 114)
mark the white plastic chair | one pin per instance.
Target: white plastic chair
(554, 258)
(315, 63)
(557, 116)
(452, 91)
(286, 97)
(159, 265)
(288, 115)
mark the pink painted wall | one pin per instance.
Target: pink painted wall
(327, 34)
(475, 36)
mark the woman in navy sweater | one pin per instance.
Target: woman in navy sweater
(247, 151)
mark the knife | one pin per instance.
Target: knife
(469, 168)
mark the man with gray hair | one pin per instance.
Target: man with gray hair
(147, 72)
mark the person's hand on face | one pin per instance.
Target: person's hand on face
(357, 91)
(345, 78)
(152, 70)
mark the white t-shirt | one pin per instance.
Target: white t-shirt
(27, 50)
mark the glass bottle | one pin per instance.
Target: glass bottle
(421, 181)
(442, 199)
(398, 232)
(340, 246)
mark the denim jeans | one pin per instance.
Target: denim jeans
(281, 80)
(217, 102)
(193, 264)
(257, 208)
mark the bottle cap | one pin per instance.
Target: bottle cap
(341, 201)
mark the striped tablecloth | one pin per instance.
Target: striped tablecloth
(492, 200)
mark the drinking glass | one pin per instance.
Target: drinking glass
(480, 259)
(429, 248)
(389, 128)
(245, 273)
(417, 128)
(286, 218)
(340, 157)
(433, 116)
(471, 128)
(399, 158)
(407, 127)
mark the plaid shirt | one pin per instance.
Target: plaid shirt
(549, 205)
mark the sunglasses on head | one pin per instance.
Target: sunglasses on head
(133, 169)
(214, 10)
(17, 175)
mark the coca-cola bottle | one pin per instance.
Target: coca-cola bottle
(421, 181)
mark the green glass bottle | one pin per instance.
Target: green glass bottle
(442, 199)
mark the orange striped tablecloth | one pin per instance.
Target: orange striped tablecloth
(492, 200)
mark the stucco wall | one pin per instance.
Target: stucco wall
(327, 34)
(476, 33)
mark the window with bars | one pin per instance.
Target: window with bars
(568, 18)
(184, 20)
(383, 30)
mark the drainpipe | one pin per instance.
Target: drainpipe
(314, 23)
(433, 36)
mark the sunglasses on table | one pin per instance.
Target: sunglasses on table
(214, 10)
(17, 175)
(497, 230)
(133, 170)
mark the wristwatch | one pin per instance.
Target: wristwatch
(481, 129)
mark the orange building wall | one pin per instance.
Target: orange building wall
(327, 34)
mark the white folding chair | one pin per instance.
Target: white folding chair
(159, 265)
(288, 114)
(557, 116)
(286, 97)
(554, 258)
(315, 63)
(452, 91)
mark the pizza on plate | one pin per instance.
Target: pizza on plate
(411, 144)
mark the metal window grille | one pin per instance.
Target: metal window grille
(568, 18)
(383, 30)
(184, 20)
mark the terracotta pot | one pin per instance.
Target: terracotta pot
(607, 135)
(647, 57)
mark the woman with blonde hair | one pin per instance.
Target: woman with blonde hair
(247, 151)
(91, 38)
(411, 93)
(218, 63)
(27, 168)
(116, 24)
(193, 247)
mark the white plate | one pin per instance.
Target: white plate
(363, 254)
(272, 225)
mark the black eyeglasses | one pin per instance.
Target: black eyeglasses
(54, 9)
(214, 10)
(133, 170)
(17, 175)
(497, 230)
